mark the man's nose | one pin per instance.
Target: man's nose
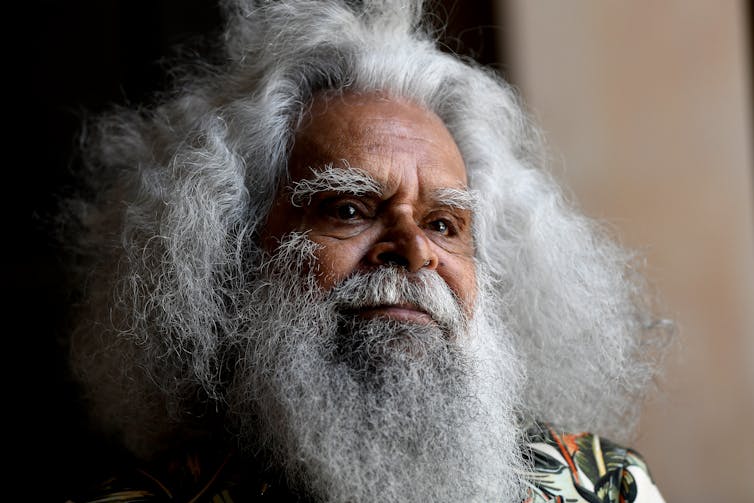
(404, 244)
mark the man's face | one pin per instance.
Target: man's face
(360, 371)
(377, 182)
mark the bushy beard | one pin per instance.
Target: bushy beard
(352, 409)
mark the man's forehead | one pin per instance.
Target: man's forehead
(390, 139)
(366, 116)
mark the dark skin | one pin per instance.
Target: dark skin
(407, 151)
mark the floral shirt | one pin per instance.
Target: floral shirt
(563, 468)
(583, 467)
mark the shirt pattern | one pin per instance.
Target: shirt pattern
(584, 467)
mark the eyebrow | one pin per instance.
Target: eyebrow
(350, 180)
(346, 180)
(464, 199)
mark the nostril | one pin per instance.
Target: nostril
(392, 258)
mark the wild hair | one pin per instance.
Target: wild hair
(167, 228)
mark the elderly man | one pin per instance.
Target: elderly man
(333, 269)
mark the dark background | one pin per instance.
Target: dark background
(70, 60)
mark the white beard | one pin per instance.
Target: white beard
(356, 410)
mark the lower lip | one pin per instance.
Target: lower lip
(398, 314)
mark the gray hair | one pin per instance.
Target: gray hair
(178, 193)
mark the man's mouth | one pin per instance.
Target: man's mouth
(408, 313)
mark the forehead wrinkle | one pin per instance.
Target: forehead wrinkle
(345, 179)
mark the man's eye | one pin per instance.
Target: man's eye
(441, 226)
(346, 211)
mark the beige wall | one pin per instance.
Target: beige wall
(646, 108)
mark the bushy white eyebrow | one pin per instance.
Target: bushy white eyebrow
(465, 199)
(344, 180)
(350, 180)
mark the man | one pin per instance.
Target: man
(333, 269)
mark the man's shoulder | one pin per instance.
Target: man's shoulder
(584, 467)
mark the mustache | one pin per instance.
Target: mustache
(424, 290)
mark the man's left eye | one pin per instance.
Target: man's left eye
(441, 226)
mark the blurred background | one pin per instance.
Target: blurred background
(647, 107)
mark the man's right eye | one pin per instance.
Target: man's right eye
(346, 211)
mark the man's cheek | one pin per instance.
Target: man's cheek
(460, 276)
(336, 260)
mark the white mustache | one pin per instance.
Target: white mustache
(425, 290)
